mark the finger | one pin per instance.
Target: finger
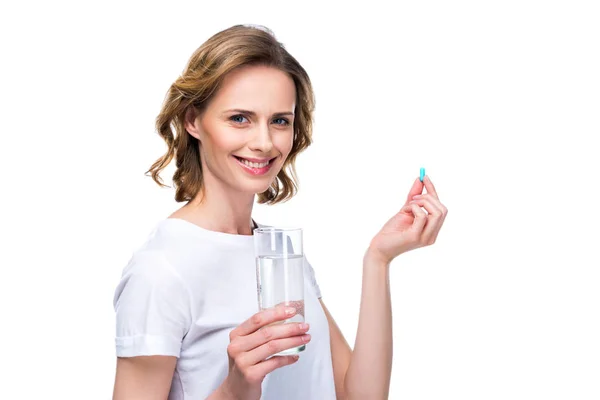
(420, 218)
(260, 319)
(261, 369)
(407, 209)
(429, 196)
(272, 347)
(435, 201)
(417, 188)
(434, 218)
(429, 186)
(268, 333)
(441, 222)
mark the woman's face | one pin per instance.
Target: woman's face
(246, 131)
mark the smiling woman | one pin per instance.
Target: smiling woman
(186, 306)
(219, 90)
(255, 139)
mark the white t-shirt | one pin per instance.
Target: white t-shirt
(186, 288)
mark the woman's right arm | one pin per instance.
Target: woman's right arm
(153, 312)
(149, 377)
(144, 377)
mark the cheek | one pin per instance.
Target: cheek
(226, 141)
(284, 142)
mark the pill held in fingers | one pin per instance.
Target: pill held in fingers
(422, 174)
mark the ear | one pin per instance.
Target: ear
(191, 123)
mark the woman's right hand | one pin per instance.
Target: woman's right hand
(249, 347)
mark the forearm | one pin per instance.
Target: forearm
(220, 394)
(369, 372)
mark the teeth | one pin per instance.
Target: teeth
(253, 164)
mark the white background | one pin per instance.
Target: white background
(499, 101)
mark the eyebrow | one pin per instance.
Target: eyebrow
(252, 113)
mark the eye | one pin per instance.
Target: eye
(285, 121)
(233, 118)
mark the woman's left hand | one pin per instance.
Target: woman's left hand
(411, 227)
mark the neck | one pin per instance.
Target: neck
(218, 208)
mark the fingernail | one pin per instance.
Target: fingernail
(306, 338)
(303, 326)
(290, 310)
(417, 196)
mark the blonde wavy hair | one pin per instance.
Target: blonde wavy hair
(232, 48)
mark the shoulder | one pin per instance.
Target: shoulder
(172, 242)
(149, 282)
(148, 270)
(149, 263)
(174, 250)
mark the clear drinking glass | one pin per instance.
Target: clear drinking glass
(279, 272)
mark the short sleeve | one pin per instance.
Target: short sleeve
(310, 274)
(152, 306)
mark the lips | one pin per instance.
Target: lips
(254, 168)
(256, 162)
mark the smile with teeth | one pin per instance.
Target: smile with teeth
(253, 164)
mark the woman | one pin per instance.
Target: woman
(187, 326)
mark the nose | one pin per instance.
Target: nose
(261, 139)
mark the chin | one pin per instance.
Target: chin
(257, 188)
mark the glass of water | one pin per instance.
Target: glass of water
(279, 273)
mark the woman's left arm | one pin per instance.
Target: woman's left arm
(340, 354)
(365, 373)
(371, 359)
